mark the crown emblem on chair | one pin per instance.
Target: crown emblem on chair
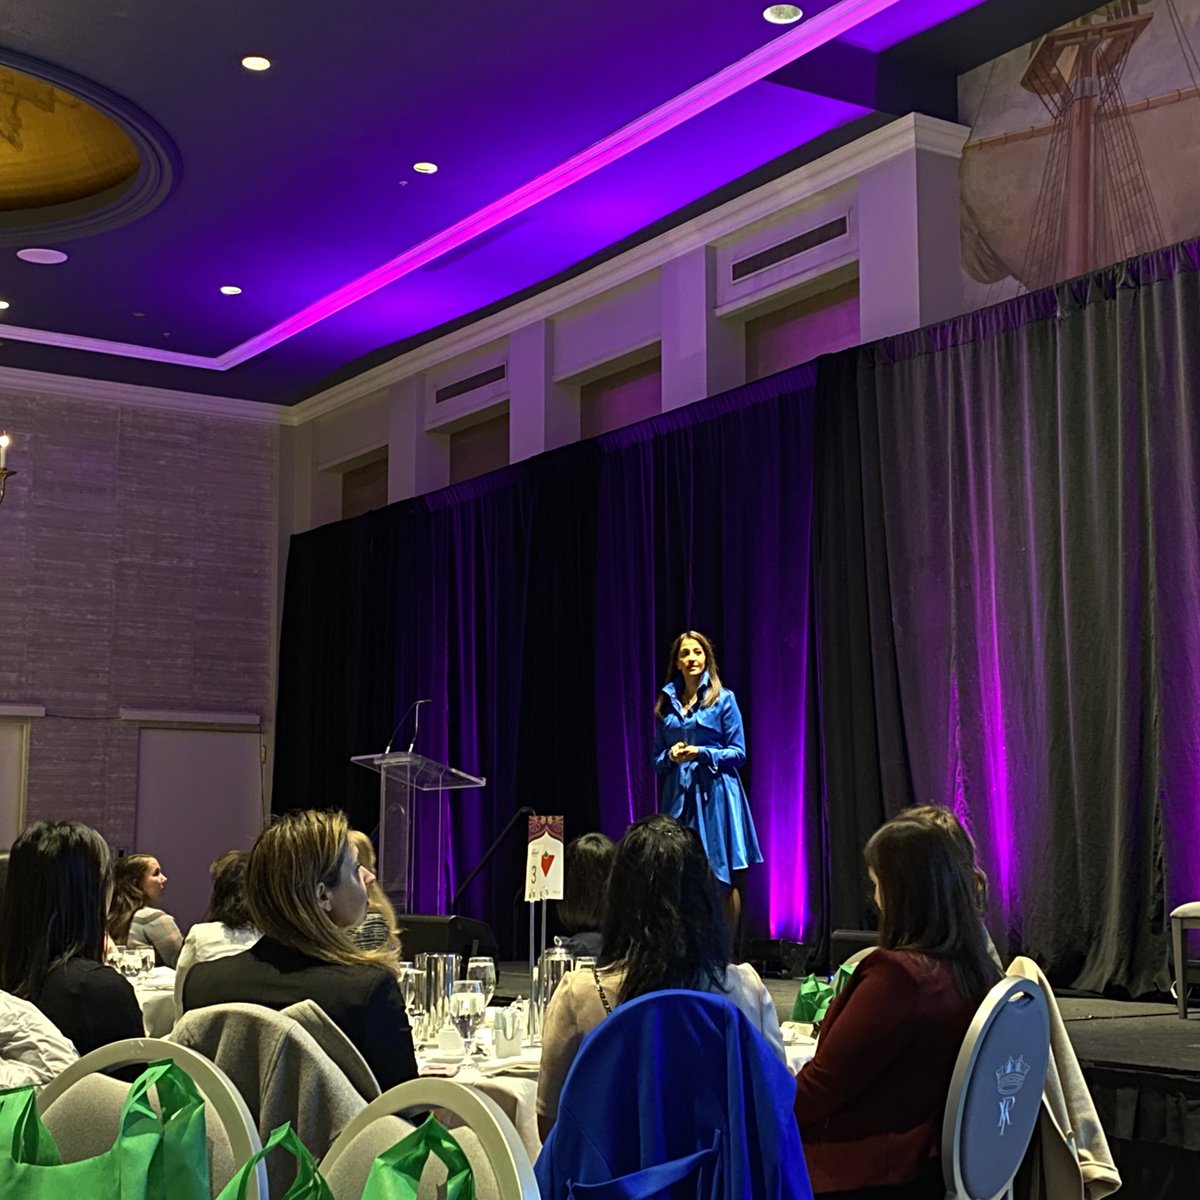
(1011, 1077)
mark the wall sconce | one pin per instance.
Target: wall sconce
(5, 472)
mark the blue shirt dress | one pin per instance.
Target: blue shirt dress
(707, 795)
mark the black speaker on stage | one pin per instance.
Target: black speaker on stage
(445, 935)
(845, 942)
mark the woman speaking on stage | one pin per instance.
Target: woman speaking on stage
(698, 747)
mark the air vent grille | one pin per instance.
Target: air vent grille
(451, 390)
(784, 250)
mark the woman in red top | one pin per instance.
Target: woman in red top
(870, 1103)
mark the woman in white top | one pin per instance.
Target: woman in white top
(664, 927)
(226, 929)
(134, 916)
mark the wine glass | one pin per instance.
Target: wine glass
(412, 992)
(483, 969)
(466, 1011)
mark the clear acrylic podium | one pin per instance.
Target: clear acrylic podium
(403, 778)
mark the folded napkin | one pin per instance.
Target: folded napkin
(528, 1062)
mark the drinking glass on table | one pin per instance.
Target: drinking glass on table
(412, 992)
(483, 969)
(467, 1005)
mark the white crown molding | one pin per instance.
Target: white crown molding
(906, 135)
(15, 381)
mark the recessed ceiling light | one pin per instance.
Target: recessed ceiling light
(230, 290)
(782, 14)
(255, 62)
(36, 254)
(3, 304)
(425, 168)
(137, 314)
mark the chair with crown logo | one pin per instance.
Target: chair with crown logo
(996, 1092)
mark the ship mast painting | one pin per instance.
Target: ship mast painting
(1093, 200)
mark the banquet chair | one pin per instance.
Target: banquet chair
(676, 1094)
(81, 1107)
(281, 1072)
(494, 1149)
(1183, 918)
(995, 1095)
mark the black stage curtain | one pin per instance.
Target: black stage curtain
(962, 565)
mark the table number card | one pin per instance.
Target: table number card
(544, 865)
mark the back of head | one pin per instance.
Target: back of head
(291, 857)
(54, 903)
(227, 903)
(948, 820)
(587, 865)
(664, 925)
(128, 897)
(928, 903)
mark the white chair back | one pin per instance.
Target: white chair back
(346, 1165)
(996, 1091)
(221, 1097)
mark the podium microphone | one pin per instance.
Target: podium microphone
(400, 724)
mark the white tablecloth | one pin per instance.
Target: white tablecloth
(156, 995)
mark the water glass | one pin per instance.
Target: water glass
(483, 969)
(467, 1007)
(412, 992)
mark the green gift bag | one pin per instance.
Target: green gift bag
(812, 1000)
(308, 1184)
(396, 1173)
(152, 1156)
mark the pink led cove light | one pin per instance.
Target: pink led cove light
(753, 68)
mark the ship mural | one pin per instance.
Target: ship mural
(1085, 148)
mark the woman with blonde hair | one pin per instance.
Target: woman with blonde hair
(378, 928)
(305, 891)
(134, 916)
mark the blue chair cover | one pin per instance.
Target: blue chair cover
(676, 1096)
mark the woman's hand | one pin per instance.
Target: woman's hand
(681, 752)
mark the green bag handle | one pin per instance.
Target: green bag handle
(180, 1167)
(308, 1184)
(23, 1137)
(396, 1173)
(120, 1173)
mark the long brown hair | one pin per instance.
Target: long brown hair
(54, 903)
(287, 862)
(948, 820)
(710, 665)
(377, 901)
(128, 897)
(928, 900)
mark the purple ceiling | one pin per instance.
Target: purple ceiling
(296, 182)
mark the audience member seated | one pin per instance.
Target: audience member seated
(378, 928)
(52, 935)
(587, 864)
(870, 1103)
(663, 928)
(948, 820)
(134, 917)
(305, 891)
(226, 928)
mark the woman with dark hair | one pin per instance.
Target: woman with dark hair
(870, 1103)
(587, 865)
(698, 747)
(226, 929)
(52, 934)
(306, 890)
(667, 931)
(948, 819)
(134, 916)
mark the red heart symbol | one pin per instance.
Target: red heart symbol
(547, 859)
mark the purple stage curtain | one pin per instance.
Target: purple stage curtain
(1011, 499)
